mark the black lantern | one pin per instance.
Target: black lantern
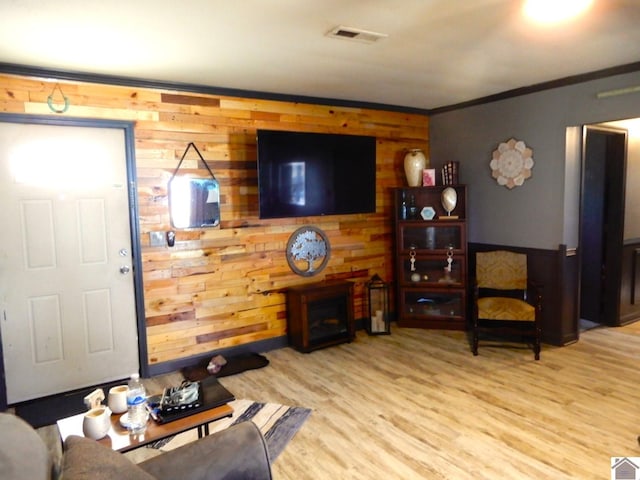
(378, 322)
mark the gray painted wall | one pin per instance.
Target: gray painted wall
(543, 212)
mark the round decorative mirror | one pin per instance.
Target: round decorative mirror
(449, 199)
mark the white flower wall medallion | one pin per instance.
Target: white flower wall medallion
(308, 251)
(511, 163)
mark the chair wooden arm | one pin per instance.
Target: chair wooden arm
(534, 294)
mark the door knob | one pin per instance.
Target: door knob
(125, 269)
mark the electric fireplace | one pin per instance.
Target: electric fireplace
(320, 315)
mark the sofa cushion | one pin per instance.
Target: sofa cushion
(23, 454)
(86, 459)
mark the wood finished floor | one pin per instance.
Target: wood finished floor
(416, 404)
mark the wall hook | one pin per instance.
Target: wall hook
(50, 100)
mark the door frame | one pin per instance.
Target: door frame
(136, 254)
(612, 231)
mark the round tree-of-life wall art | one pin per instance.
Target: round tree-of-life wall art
(308, 251)
(511, 163)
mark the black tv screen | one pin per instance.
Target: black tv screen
(304, 174)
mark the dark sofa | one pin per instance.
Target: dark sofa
(236, 453)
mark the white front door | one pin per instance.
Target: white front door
(67, 293)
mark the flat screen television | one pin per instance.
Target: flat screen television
(304, 174)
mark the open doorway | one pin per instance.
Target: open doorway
(601, 224)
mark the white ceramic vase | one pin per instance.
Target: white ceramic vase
(414, 163)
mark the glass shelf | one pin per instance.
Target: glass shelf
(435, 237)
(433, 304)
(430, 271)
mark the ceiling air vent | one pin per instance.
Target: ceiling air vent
(356, 34)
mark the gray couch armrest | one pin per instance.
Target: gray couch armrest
(23, 454)
(237, 453)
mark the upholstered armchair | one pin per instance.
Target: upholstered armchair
(506, 304)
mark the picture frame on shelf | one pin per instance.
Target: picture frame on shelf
(429, 177)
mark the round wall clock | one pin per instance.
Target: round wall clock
(511, 163)
(308, 251)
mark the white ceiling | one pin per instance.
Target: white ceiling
(437, 53)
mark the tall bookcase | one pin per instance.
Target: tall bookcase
(429, 294)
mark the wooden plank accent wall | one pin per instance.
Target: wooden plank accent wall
(224, 287)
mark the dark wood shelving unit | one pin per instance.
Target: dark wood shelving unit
(430, 296)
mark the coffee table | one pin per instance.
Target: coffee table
(118, 437)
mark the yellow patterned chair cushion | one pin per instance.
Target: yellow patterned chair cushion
(501, 270)
(504, 308)
(504, 273)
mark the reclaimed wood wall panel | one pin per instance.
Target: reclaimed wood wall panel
(223, 287)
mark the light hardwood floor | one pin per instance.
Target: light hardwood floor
(417, 404)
